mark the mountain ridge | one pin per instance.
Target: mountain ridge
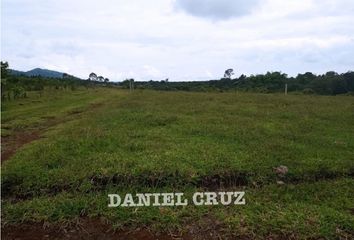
(38, 72)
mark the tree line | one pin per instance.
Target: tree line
(93, 77)
(17, 86)
(330, 83)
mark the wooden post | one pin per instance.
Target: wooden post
(286, 89)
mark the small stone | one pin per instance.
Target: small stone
(281, 170)
(280, 183)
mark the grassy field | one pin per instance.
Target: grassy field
(93, 142)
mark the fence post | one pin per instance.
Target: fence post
(286, 89)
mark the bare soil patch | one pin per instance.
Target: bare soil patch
(89, 229)
(10, 144)
(96, 229)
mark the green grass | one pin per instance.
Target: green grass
(179, 141)
(35, 110)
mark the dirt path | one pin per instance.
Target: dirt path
(86, 229)
(95, 229)
(10, 144)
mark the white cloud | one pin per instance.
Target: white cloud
(122, 39)
(217, 9)
(152, 71)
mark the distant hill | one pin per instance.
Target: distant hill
(38, 72)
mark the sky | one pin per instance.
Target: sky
(178, 39)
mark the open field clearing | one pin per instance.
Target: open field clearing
(64, 152)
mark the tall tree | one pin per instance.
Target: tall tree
(4, 69)
(228, 73)
(93, 77)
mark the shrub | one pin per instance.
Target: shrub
(308, 91)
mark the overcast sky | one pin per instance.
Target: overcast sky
(178, 39)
